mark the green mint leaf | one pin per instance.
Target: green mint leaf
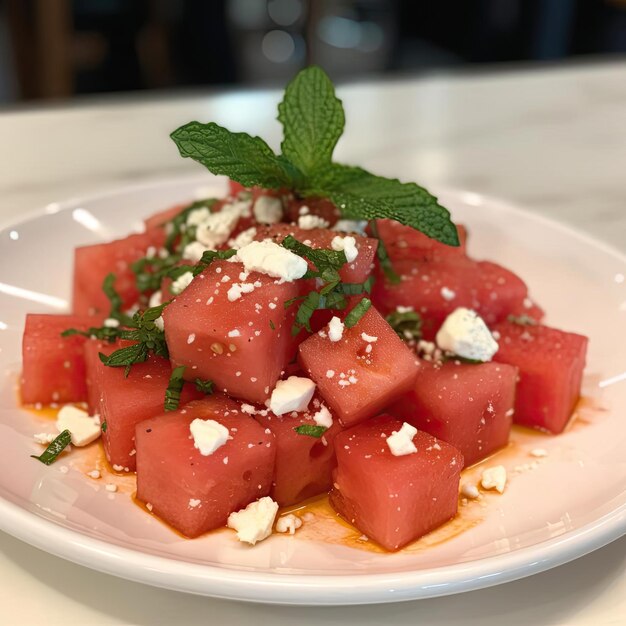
(522, 320)
(108, 286)
(204, 386)
(174, 388)
(356, 289)
(243, 158)
(310, 430)
(327, 262)
(408, 324)
(272, 325)
(357, 313)
(312, 118)
(50, 454)
(360, 195)
(104, 426)
(125, 357)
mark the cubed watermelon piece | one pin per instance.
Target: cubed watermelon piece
(53, 367)
(304, 464)
(196, 493)
(433, 289)
(362, 373)
(241, 345)
(497, 292)
(356, 272)
(406, 243)
(122, 402)
(394, 499)
(93, 263)
(551, 364)
(468, 406)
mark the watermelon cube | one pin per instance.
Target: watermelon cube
(53, 367)
(304, 464)
(394, 499)
(241, 345)
(551, 364)
(196, 493)
(363, 372)
(122, 402)
(93, 263)
(406, 243)
(468, 406)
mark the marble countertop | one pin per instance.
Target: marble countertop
(551, 140)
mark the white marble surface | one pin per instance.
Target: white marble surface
(551, 140)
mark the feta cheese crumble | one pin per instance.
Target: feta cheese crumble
(347, 244)
(465, 334)
(308, 222)
(288, 524)
(369, 338)
(401, 442)
(351, 226)
(293, 394)
(111, 322)
(469, 491)
(44, 438)
(448, 294)
(208, 435)
(323, 417)
(215, 229)
(84, 427)
(193, 251)
(269, 258)
(268, 210)
(181, 283)
(194, 502)
(254, 523)
(335, 329)
(243, 238)
(494, 478)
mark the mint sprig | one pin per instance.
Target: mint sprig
(313, 120)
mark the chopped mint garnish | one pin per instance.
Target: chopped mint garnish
(313, 120)
(383, 257)
(408, 324)
(357, 313)
(103, 427)
(204, 386)
(310, 430)
(522, 320)
(50, 454)
(174, 388)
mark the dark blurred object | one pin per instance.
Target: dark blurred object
(58, 48)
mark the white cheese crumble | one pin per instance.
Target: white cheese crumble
(208, 435)
(111, 487)
(84, 427)
(466, 335)
(400, 442)
(308, 222)
(44, 438)
(369, 338)
(448, 294)
(469, 491)
(181, 283)
(494, 478)
(351, 226)
(254, 523)
(156, 299)
(217, 227)
(197, 216)
(347, 244)
(288, 524)
(323, 417)
(238, 289)
(243, 238)
(234, 333)
(335, 329)
(269, 258)
(159, 323)
(538, 452)
(111, 322)
(193, 251)
(293, 394)
(194, 502)
(268, 210)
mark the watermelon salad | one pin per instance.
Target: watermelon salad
(320, 331)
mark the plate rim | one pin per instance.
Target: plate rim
(296, 589)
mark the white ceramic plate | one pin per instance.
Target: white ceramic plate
(553, 510)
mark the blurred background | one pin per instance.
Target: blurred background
(59, 49)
